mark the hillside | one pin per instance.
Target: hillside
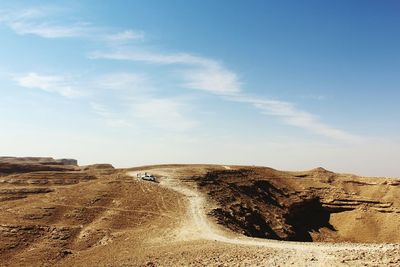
(317, 205)
(56, 212)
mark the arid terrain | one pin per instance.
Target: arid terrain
(54, 212)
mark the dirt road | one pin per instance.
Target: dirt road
(197, 226)
(100, 216)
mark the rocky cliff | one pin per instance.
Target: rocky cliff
(317, 205)
(31, 164)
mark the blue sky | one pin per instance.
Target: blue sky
(287, 84)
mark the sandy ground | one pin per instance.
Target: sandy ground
(116, 219)
(197, 226)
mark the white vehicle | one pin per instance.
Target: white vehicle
(146, 176)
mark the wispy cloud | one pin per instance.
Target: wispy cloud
(24, 14)
(203, 73)
(112, 119)
(294, 116)
(119, 99)
(192, 72)
(147, 112)
(134, 102)
(215, 79)
(50, 31)
(125, 36)
(314, 97)
(133, 82)
(163, 113)
(36, 21)
(61, 85)
(44, 22)
(153, 57)
(211, 76)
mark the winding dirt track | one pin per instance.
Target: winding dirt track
(197, 226)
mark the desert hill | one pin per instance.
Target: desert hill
(317, 205)
(54, 212)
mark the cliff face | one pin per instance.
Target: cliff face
(307, 206)
(23, 177)
(45, 202)
(10, 165)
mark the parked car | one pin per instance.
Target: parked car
(147, 176)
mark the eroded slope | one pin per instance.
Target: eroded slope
(309, 206)
(74, 216)
(96, 215)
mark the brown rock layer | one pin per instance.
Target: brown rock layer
(309, 206)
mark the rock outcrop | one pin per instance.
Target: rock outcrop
(303, 206)
(10, 165)
(102, 166)
(22, 177)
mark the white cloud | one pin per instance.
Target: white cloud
(146, 113)
(130, 102)
(37, 21)
(155, 58)
(215, 79)
(50, 31)
(45, 23)
(49, 83)
(25, 14)
(205, 74)
(296, 117)
(200, 73)
(124, 81)
(162, 113)
(133, 102)
(211, 76)
(111, 119)
(314, 97)
(125, 36)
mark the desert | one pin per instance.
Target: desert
(54, 212)
(199, 133)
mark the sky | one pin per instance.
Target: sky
(291, 85)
